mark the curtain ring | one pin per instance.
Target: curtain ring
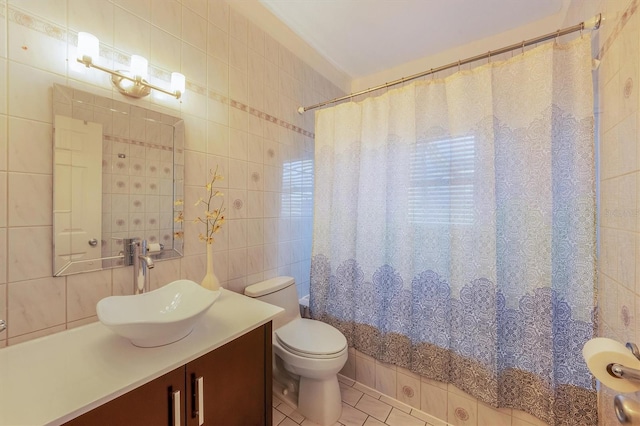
(431, 74)
(557, 36)
(458, 65)
(523, 47)
(489, 58)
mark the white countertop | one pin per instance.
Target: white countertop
(54, 379)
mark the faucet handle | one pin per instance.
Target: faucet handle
(129, 241)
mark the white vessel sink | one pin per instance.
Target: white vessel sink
(158, 317)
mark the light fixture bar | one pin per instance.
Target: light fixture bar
(118, 76)
(140, 86)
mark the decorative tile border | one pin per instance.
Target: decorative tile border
(253, 111)
(141, 143)
(37, 24)
(280, 123)
(633, 7)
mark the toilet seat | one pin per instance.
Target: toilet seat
(311, 339)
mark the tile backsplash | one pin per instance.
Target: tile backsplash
(239, 110)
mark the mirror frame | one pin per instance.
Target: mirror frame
(86, 106)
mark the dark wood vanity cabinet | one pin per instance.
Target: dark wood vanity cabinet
(232, 384)
(236, 381)
(150, 404)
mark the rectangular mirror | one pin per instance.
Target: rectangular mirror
(118, 169)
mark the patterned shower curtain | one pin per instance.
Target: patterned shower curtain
(454, 229)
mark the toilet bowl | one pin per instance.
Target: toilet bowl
(308, 354)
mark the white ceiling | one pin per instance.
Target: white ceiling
(362, 37)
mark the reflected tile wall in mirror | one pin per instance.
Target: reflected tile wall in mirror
(142, 170)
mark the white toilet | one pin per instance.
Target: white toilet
(308, 354)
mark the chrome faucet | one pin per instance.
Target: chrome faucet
(142, 263)
(136, 255)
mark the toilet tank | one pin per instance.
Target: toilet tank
(279, 291)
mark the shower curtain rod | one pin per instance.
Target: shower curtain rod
(591, 24)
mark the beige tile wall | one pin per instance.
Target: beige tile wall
(619, 247)
(243, 90)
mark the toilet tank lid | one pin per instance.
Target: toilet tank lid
(269, 286)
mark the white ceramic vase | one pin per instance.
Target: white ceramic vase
(210, 281)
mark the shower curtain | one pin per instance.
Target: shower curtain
(454, 229)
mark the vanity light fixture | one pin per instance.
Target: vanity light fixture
(132, 82)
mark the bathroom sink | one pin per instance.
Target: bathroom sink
(158, 317)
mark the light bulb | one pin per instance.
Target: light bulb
(139, 66)
(178, 82)
(88, 46)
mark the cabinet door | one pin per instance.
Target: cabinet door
(236, 382)
(150, 404)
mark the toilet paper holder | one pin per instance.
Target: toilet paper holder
(622, 372)
(610, 360)
(627, 410)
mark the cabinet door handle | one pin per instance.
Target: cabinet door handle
(197, 398)
(175, 400)
(200, 398)
(197, 401)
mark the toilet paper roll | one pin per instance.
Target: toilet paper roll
(600, 352)
(151, 248)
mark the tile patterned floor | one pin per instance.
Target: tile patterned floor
(361, 406)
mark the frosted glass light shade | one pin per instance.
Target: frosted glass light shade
(88, 46)
(178, 82)
(139, 66)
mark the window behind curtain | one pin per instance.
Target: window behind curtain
(441, 189)
(299, 175)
